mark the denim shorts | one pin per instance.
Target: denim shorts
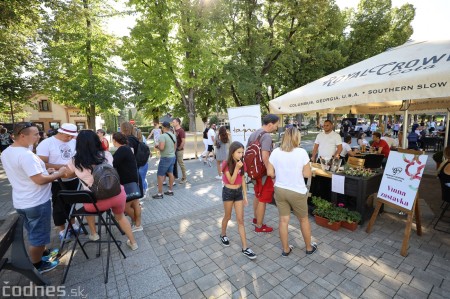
(37, 223)
(232, 194)
(166, 165)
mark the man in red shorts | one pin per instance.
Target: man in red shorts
(264, 187)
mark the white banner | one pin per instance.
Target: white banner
(243, 122)
(401, 178)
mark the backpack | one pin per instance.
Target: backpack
(412, 140)
(253, 159)
(142, 155)
(106, 181)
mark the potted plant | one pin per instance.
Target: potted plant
(438, 158)
(352, 218)
(326, 214)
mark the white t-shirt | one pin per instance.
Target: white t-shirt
(390, 141)
(20, 164)
(345, 149)
(211, 133)
(86, 175)
(57, 151)
(328, 143)
(289, 169)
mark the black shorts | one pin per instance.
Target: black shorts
(210, 148)
(232, 194)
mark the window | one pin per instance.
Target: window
(81, 126)
(44, 105)
(54, 125)
(39, 125)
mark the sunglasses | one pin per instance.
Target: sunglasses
(25, 126)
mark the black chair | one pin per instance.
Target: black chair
(446, 199)
(373, 161)
(79, 197)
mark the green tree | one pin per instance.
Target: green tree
(19, 22)
(376, 26)
(78, 69)
(275, 46)
(170, 54)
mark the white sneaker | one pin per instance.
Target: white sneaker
(164, 183)
(219, 177)
(94, 237)
(200, 158)
(132, 246)
(135, 228)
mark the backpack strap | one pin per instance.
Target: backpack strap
(171, 137)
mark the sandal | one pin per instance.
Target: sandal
(314, 248)
(285, 254)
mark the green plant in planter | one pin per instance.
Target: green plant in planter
(320, 203)
(352, 216)
(333, 214)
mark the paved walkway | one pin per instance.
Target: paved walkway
(180, 255)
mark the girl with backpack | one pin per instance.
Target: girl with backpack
(89, 152)
(234, 194)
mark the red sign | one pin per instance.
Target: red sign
(132, 121)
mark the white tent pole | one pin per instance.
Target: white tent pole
(447, 121)
(405, 128)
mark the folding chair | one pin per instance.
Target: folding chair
(79, 197)
(446, 199)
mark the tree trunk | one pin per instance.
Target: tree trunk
(318, 120)
(90, 111)
(91, 117)
(191, 110)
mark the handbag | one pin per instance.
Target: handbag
(132, 190)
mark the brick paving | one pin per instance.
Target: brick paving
(180, 255)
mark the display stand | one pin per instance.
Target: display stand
(414, 212)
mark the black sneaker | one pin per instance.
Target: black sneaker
(285, 254)
(225, 241)
(157, 196)
(314, 248)
(249, 253)
(168, 192)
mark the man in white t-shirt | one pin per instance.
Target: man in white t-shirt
(56, 152)
(211, 137)
(31, 193)
(328, 143)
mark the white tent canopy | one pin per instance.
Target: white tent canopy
(416, 71)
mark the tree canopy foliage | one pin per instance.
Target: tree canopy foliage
(201, 55)
(77, 66)
(189, 57)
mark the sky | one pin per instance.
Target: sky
(432, 20)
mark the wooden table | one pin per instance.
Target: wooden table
(358, 187)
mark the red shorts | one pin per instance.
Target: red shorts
(116, 203)
(264, 193)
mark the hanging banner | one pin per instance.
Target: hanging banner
(401, 178)
(243, 122)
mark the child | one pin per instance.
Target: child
(234, 193)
